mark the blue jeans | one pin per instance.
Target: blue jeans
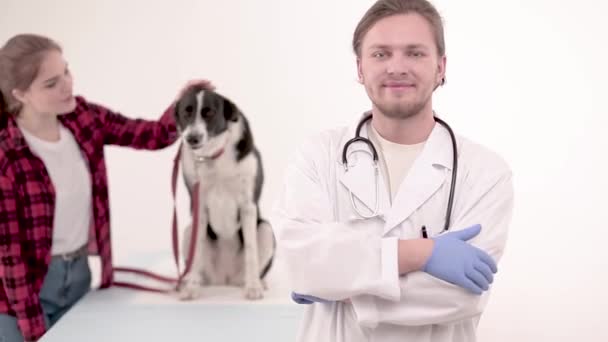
(65, 283)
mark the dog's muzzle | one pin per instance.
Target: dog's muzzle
(194, 140)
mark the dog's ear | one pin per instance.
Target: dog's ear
(231, 112)
(176, 107)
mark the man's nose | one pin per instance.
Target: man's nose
(398, 65)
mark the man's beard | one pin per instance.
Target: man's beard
(401, 110)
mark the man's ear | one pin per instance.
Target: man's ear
(359, 71)
(441, 67)
(231, 112)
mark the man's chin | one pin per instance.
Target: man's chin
(400, 111)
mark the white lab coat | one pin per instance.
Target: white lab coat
(332, 253)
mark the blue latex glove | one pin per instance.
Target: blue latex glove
(306, 299)
(460, 263)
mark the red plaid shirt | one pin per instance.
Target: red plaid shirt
(27, 201)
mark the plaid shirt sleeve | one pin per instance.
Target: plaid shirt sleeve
(17, 285)
(137, 133)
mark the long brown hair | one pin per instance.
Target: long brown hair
(20, 60)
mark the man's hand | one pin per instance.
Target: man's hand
(307, 299)
(460, 263)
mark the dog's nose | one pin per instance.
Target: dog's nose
(193, 139)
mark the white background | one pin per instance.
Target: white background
(525, 78)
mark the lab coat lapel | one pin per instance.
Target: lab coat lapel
(425, 177)
(360, 178)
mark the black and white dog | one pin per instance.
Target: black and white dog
(236, 246)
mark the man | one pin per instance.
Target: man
(369, 249)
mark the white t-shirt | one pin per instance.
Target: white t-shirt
(71, 179)
(395, 160)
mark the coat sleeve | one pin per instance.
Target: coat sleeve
(18, 286)
(324, 258)
(427, 300)
(137, 133)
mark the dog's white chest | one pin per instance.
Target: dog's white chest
(225, 187)
(222, 204)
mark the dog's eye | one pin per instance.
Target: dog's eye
(189, 109)
(208, 113)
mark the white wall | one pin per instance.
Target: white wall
(524, 78)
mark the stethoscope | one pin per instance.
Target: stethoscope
(374, 153)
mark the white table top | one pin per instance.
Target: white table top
(220, 315)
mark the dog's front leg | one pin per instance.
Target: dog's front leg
(190, 286)
(253, 284)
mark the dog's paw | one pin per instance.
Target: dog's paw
(189, 290)
(254, 292)
(254, 289)
(189, 293)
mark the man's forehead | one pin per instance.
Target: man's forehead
(398, 46)
(403, 29)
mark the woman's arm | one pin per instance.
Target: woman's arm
(19, 289)
(139, 133)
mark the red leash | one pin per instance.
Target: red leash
(195, 220)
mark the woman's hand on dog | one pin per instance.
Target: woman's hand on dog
(197, 84)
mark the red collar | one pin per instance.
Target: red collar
(217, 154)
(213, 157)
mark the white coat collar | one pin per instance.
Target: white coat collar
(425, 177)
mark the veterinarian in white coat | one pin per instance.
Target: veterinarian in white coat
(377, 278)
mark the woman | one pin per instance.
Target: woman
(54, 207)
